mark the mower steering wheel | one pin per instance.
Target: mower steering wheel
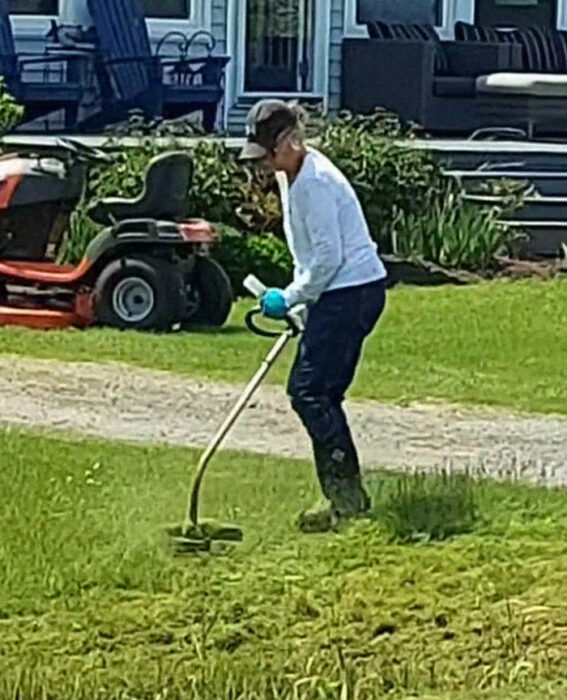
(292, 326)
(83, 151)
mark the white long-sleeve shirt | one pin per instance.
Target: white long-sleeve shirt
(326, 232)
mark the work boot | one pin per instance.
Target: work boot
(348, 499)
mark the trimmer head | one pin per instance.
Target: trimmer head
(192, 539)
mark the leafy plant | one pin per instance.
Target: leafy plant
(80, 233)
(11, 113)
(453, 232)
(221, 188)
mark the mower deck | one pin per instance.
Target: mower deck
(51, 309)
(46, 319)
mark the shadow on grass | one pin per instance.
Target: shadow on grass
(425, 507)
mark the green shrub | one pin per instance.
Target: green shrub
(411, 209)
(265, 256)
(11, 113)
(224, 190)
(221, 190)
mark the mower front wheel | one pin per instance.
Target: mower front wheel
(141, 293)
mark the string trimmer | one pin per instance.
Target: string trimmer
(198, 535)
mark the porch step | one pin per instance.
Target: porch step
(470, 155)
(548, 183)
(534, 209)
(540, 224)
(542, 239)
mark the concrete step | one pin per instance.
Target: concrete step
(547, 182)
(535, 208)
(466, 154)
(539, 238)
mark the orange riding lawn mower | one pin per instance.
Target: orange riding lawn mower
(147, 269)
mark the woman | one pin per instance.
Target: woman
(339, 275)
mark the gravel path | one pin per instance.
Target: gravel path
(115, 401)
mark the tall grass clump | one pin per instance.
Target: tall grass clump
(427, 507)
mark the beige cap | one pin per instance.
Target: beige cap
(267, 122)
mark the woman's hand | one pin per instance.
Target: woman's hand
(273, 304)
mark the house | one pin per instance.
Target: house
(288, 48)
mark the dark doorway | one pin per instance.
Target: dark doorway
(279, 45)
(516, 13)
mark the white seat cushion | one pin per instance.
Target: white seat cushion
(536, 84)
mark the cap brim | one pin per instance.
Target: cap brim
(252, 151)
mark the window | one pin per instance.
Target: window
(516, 13)
(167, 9)
(419, 11)
(33, 7)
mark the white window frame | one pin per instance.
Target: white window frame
(320, 50)
(453, 10)
(354, 30)
(200, 18)
(351, 28)
(31, 28)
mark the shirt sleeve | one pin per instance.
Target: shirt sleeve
(319, 210)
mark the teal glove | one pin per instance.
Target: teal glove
(273, 304)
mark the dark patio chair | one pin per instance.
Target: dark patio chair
(132, 77)
(41, 97)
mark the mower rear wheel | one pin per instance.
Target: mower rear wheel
(138, 292)
(213, 290)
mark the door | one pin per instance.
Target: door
(279, 45)
(516, 13)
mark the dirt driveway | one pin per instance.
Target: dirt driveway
(119, 402)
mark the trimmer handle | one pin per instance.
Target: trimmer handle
(293, 322)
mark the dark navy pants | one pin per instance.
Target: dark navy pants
(328, 353)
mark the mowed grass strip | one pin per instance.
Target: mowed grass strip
(92, 605)
(497, 343)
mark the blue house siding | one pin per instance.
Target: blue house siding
(335, 42)
(219, 24)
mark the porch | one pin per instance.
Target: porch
(453, 67)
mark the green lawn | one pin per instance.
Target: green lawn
(497, 343)
(92, 606)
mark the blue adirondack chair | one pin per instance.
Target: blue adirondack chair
(41, 97)
(132, 77)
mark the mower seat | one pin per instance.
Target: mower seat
(165, 194)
